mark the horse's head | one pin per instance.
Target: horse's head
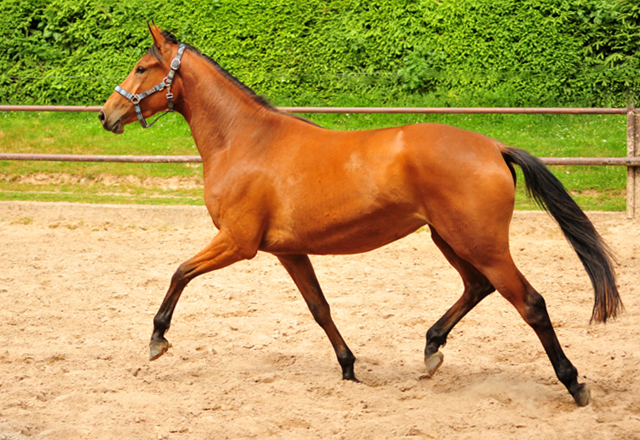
(148, 89)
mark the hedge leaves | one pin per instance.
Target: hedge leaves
(463, 52)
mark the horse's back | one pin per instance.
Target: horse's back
(440, 168)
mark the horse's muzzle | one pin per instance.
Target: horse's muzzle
(116, 127)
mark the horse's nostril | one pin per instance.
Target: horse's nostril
(101, 116)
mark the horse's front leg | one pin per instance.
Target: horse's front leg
(221, 252)
(301, 270)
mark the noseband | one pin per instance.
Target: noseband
(165, 84)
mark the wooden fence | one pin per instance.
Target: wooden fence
(631, 161)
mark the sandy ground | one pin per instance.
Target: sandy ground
(80, 285)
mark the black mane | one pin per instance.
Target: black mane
(264, 102)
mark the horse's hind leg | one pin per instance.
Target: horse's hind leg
(303, 275)
(476, 287)
(484, 243)
(531, 306)
(219, 253)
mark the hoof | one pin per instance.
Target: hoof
(583, 395)
(157, 349)
(351, 378)
(433, 363)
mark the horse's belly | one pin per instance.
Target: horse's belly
(340, 237)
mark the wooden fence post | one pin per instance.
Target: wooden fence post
(633, 134)
(636, 170)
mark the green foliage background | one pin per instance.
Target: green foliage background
(321, 52)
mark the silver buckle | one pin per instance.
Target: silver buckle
(175, 64)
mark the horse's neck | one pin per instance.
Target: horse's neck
(218, 111)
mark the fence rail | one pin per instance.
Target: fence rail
(615, 161)
(631, 161)
(388, 110)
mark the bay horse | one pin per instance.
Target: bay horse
(277, 183)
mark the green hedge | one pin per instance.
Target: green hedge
(472, 52)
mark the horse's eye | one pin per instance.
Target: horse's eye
(140, 69)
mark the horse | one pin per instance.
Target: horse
(278, 183)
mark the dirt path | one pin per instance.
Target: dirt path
(80, 285)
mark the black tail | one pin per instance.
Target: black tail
(594, 253)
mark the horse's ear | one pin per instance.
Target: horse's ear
(156, 34)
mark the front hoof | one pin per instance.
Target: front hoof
(348, 374)
(433, 362)
(351, 378)
(157, 349)
(583, 395)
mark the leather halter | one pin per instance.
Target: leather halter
(166, 83)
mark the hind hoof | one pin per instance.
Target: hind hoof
(157, 349)
(433, 363)
(583, 395)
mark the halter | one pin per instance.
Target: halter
(166, 83)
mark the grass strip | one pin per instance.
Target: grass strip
(593, 187)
